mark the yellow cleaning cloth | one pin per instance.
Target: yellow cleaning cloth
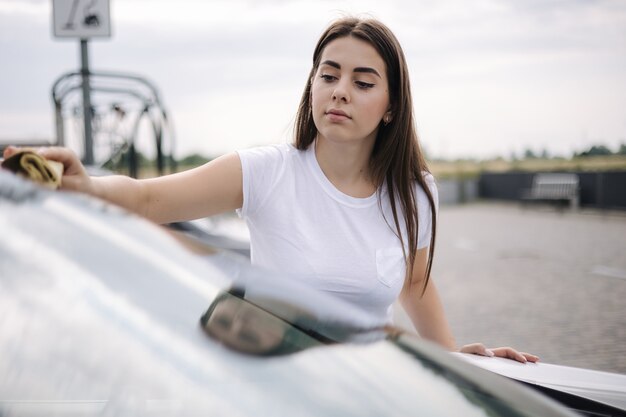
(35, 167)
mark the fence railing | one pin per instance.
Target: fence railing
(603, 190)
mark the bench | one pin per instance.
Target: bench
(554, 187)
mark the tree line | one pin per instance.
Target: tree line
(593, 150)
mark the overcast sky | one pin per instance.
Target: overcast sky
(489, 77)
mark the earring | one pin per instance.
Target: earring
(386, 119)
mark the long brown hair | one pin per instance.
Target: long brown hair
(396, 159)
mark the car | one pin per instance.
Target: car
(105, 313)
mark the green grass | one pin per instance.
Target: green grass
(471, 169)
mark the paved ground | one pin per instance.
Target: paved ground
(543, 281)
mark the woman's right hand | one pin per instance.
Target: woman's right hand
(501, 352)
(75, 177)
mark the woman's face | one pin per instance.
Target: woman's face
(349, 92)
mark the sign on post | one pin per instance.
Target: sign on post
(81, 19)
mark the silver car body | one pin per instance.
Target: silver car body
(99, 314)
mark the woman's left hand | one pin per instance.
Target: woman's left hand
(502, 352)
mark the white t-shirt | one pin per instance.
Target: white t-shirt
(301, 224)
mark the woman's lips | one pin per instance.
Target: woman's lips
(337, 115)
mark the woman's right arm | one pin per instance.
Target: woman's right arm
(210, 189)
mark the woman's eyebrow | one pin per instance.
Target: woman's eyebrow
(357, 69)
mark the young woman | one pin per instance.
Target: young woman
(350, 207)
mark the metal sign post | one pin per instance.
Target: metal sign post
(83, 19)
(84, 70)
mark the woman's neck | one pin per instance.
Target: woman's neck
(347, 166)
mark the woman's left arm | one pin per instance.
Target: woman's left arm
(427, 315)
(426, 312)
